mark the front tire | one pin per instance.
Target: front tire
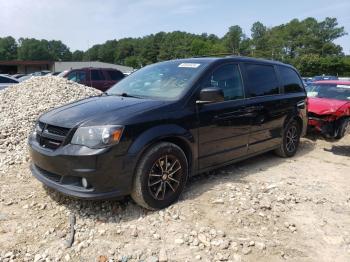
(290, 140)
(160, 176)
(343, 128)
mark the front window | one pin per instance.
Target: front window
(167, 80)
(228, 78)
(332, 91)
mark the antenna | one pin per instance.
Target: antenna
(88, 52)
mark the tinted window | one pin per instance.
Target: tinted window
(228, 78)
(77, 76)
(291, 80)
(115, 75)
(96, 75)
(7, 80)
(261, 80)
(81, 76)
(72, 76)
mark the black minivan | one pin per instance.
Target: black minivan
(152, 130)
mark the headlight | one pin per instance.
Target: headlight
(37, 129)
(97, 136)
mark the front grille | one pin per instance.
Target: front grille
(50, 136)
(61, 131)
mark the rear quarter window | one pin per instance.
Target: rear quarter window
(114, 75)
(290, 79)
(261, 80)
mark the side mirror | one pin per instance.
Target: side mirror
(210, 95)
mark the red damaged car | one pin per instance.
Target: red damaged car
(329, 107)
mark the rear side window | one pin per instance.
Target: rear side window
(115, 75)
(96, 75)
(261, 80)
(7, 80)
(291, 80)
(81, 76)
(228, 78)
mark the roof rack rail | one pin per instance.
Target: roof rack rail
(212, 55)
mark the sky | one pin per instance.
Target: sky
(82, 23)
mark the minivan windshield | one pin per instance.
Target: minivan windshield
(166, 80)
(332, 91)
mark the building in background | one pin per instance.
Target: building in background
(24, 67)
(62, 66)
(27, 67)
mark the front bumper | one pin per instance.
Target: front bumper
(324, 126)
(108, 174)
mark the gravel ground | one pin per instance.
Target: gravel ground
(265, 208)
(20, 106)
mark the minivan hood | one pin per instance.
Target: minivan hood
(324, 106)
(97, 111)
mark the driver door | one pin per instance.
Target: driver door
(224, 126)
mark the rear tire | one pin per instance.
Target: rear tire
(290, 140)
(160, 176)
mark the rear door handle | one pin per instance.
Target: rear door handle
(301, 104)
(253, 108)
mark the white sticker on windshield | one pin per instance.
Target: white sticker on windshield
(343, 86)
(189, 65)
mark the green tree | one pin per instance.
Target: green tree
(77, 55)
(259, 39)
(106, 51)
(8, 48)
(33, 49)
(59, 51)
(233, 39)
(133, 61)
(92, 53)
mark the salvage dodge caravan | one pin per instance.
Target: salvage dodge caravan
(166, 122)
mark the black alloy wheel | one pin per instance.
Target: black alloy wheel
(164, 177)
(290, 140)
(160, 176)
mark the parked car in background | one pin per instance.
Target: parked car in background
(99, 78)
(6, 81)
(24, 78)
(307, 80)
(17, 76)
(54, 73)
(329, 107)
(166, 122)
(41, 73)
(323, 77)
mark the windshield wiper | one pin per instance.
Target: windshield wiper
(123, 95)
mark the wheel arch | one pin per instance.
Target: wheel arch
(166, 133)
(297, 118)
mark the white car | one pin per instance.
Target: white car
(24, 78)
(6, 81)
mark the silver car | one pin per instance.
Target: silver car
(6, 81)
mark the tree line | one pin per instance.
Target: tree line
(307, 44)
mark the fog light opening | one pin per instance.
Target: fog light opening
(85, 183)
